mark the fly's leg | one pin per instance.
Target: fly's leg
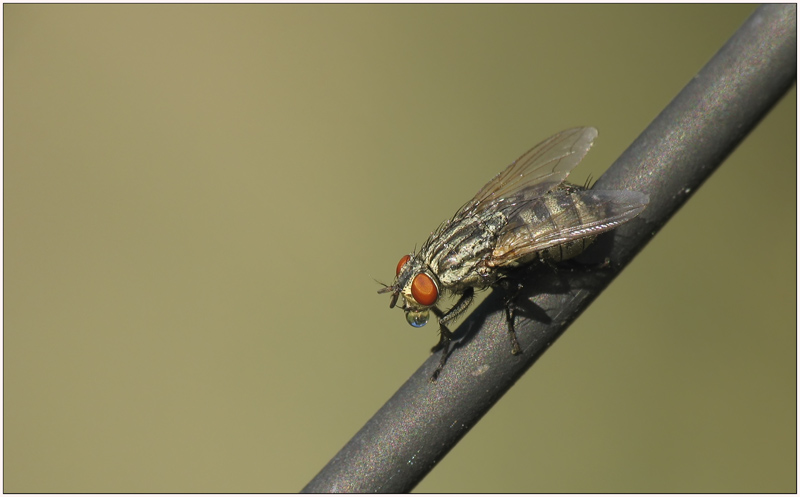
(445, 338)
(512, 334)
(510, 310)
(445, 335)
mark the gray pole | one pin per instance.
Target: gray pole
(416, 428)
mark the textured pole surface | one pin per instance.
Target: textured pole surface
(416, 428)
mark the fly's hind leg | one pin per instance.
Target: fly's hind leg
(445, 335)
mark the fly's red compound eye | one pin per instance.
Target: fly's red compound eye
(424, 290)
(402, 263)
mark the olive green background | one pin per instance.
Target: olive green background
(197, 200)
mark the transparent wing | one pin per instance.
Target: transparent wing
(536, 172)
(540, 224)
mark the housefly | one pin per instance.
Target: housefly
(526, 214)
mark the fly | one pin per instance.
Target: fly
(528, 213)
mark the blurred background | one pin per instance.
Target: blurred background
(197, 200)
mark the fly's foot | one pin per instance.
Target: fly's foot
(510, 308)
(442, 361)
(438, 370)
(515, 348)
(512, 334)
(445, 338)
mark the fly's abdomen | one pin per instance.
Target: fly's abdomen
(555, 227)
(566, 250)
(568, 211)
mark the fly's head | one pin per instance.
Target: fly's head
(418, 286)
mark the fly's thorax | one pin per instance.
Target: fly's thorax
(457, 251)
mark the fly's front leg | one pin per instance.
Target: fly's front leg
(445, 335)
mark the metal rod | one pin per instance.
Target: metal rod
(416, 428)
